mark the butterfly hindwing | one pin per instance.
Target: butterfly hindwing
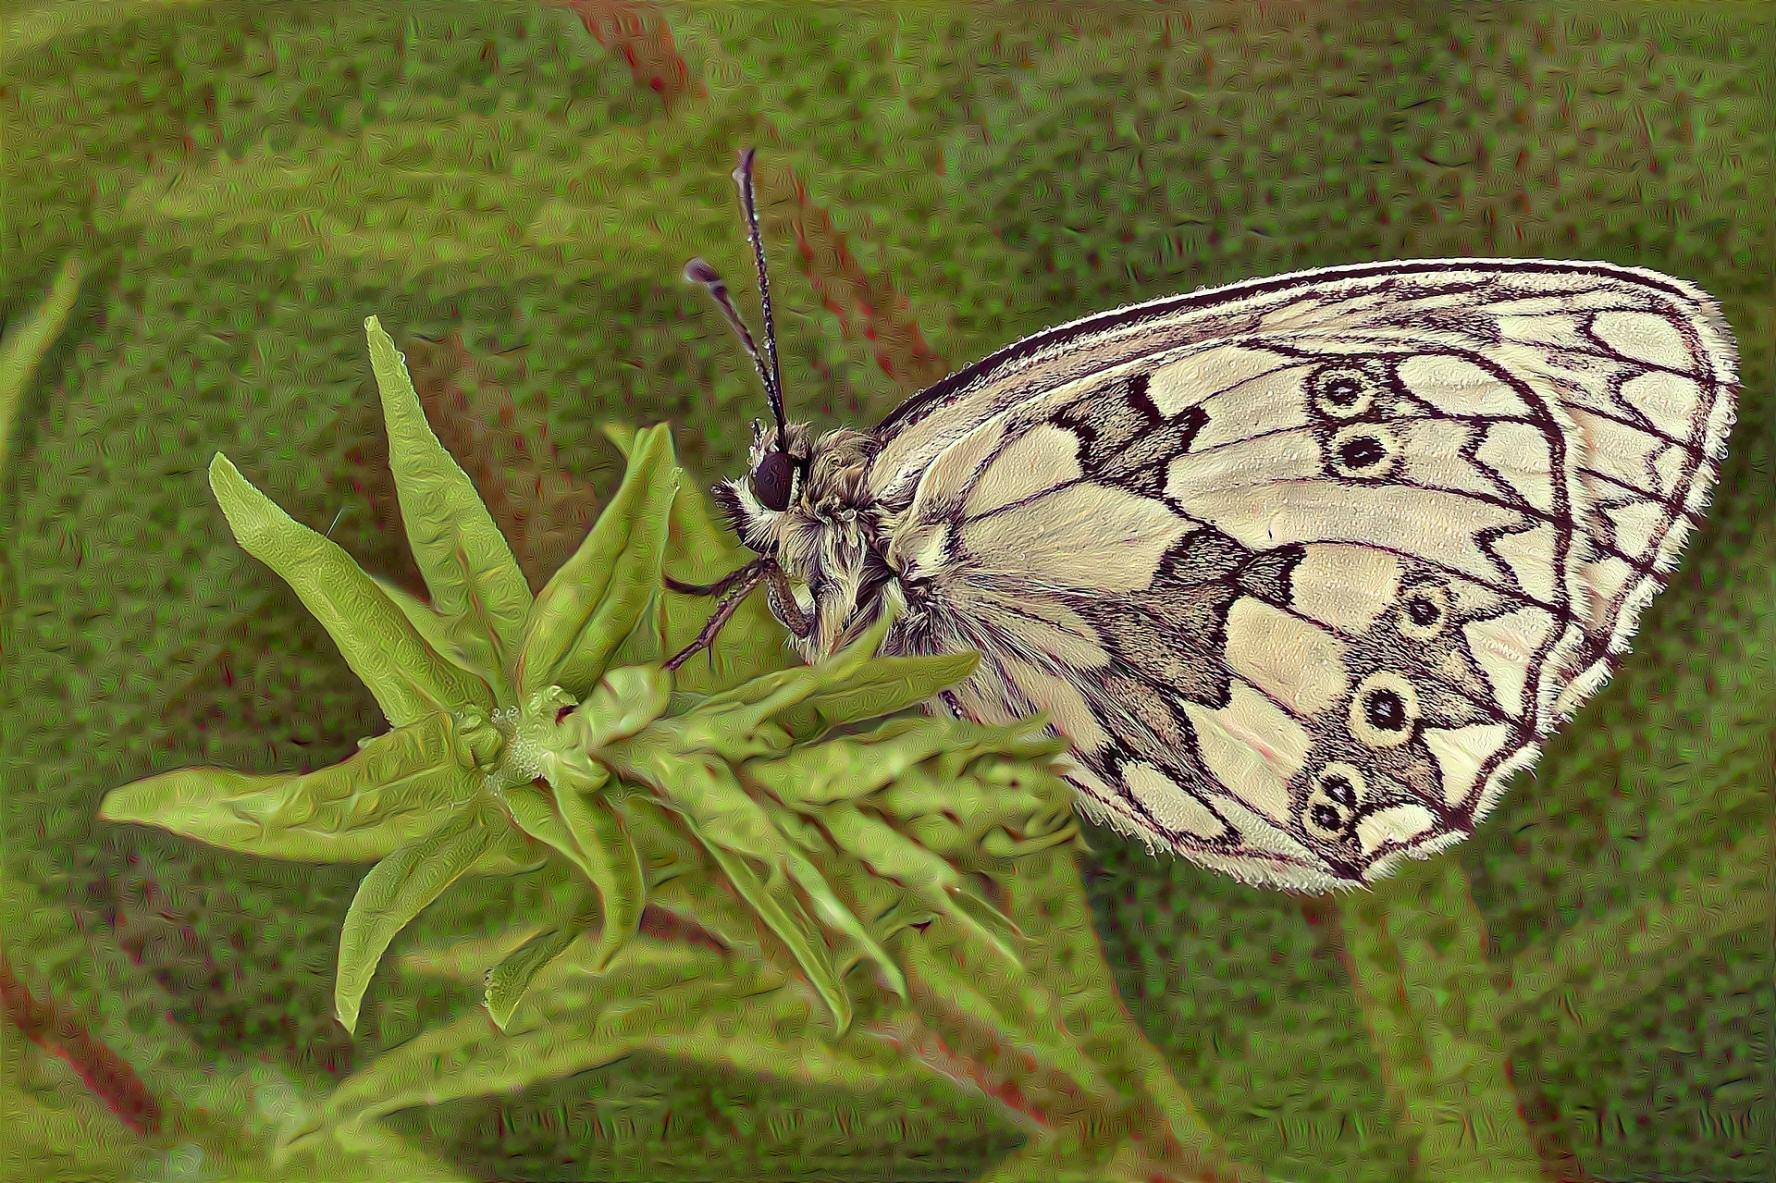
(1305, 567)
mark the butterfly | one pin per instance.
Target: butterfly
(1303, 568)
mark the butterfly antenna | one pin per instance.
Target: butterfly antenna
(699, 271)
(773, 384)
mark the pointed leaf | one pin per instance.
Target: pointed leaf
(533, 808)
(599, 595)
(611, 860)
(852, 767)
(388, 793)
(376, 639)
(28, 339)
(624, 701)
(777, 906)
(396, 890)
(735, 828)
(833, 912)
(436, 631)
(738, 723)
(698, 550)
(890, 684)
(588, 833)
(923, 874)
(682, 1003)
(475, 582)
(508, 981)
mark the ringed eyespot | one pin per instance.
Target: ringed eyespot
(1424, 611)
(1342, 392)
(1384, 710)
(1363, 451)
(1332, 802)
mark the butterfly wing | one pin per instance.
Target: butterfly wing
(1305, 567)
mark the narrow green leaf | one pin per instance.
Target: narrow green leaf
(699, 550)
(849, 768)
(475, 582)
(533, 808)
(890, 684)
(924, 875)
(611, 860)
(508, 981)
(741, 723)
(388, 793)
(28, 339)
(590, 835)
(376, 639)
(396, 890)
(833, 912)
(735, 828)
(435, 630)
(599, 595)
(684, 1004)
(1416, 948)
(776, 905)
(624, 701)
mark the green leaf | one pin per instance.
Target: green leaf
(387, 794)
(682, 1003)
(890, 684)
(409, 680)
(853, 767)
(613, 863)
(624, 701)
(782, 913)
(475, 582)
(396, 890)
(27, 340)
(1417, 953)
(922, 874)
(508, 981)
(588, 834)
(738, 723)
(698, 550)
(834, 913)
(434, 629)
(735, 828)
(596, 599)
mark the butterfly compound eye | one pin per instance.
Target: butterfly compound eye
(771, 481)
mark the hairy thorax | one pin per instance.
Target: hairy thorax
(828, 540)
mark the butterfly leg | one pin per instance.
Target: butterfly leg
(733, 589)
(783, 603)
(717, 588)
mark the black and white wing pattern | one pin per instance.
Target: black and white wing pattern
(1305, 567)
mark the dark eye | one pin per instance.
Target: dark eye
(771, 481)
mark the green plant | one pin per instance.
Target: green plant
(802, 824)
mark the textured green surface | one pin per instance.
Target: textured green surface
(245, 185)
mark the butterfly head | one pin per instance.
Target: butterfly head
(758, 504)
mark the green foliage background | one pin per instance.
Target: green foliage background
(245, 183)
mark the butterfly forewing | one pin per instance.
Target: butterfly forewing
(1304, 567)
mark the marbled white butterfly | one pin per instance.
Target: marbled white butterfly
(1302, 567)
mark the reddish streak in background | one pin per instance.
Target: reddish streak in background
(852, 294)
(60, 1033)
(863, 302)
(639, 33)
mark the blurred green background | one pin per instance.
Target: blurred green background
(513, 189)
